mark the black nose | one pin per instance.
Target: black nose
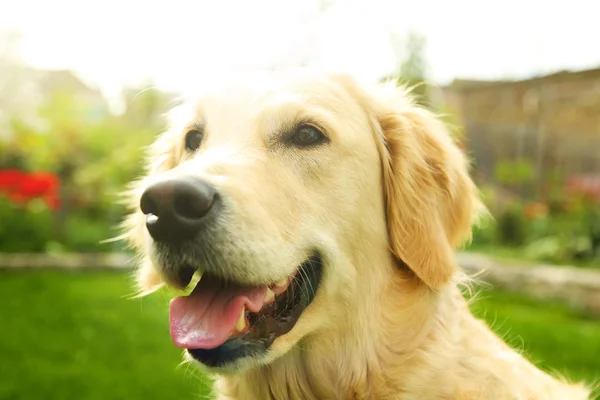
(175, 208)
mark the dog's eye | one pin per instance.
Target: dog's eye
(193, 139)
(307, 136)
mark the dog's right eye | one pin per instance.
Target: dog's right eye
(307, 136)
(193, 139)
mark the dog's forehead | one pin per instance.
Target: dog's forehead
(248, 96)
(241, 108)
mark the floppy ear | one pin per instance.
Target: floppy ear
(431, 201)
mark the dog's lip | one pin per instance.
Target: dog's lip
(220, 311)
(188, 277)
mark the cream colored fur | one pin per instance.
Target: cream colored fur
(386, 201)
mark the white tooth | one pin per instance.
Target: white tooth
(282, 282)
(241, 324)
(269, 296)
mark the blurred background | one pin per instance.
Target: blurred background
(84, 85)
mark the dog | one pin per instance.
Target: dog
(312, 220)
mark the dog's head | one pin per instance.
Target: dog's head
(292, 199)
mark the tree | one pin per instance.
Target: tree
(413, 67)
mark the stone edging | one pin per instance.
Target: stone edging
(66, 261)
(580, 288)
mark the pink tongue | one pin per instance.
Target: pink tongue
(207, 317)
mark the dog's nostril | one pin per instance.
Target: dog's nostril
(189, 205)
(185, 275)
(148, 206)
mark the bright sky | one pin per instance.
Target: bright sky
(180, 43)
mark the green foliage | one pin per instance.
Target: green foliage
(512, 230)
(413, 67)
(562, 230)
(484, 234)
(94, 158)
(25, 228)
(514, 172)
(569, 232)
(85, 234)
(32, 228)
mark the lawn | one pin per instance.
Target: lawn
(74, 335)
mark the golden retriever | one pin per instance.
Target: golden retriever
(317, 217)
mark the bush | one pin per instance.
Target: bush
(85, 234)
(564, 229)
(25, 227)
(93, 158)
(34, 220)
(484, 234)
(512, 227)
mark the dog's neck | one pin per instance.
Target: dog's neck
(411, 343)
(349, 359)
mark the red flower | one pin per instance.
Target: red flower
(21, 187)
(586, 186)
(38, 184)
(9, 179)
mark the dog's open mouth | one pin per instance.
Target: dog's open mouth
(218, 311)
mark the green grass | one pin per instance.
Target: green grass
(74, 335)
(549, 334)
